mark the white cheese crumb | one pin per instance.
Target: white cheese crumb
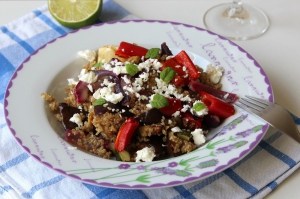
(72, 148)
(89, 77)
(169, 57)
(72, 81)
(198, 137)
(76, 119)
(185, 108)
(177, 113)
(82, 72)
(126, 80)
(108, 94)
(215, 73)
(89, 55)
(176, 129)
(90, 87)
(225, 96)
(146, 154)
(115, 67)
(114, 98)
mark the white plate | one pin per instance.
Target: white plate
(47, 70)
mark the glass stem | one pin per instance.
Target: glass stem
(237, 6)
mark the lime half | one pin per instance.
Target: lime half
(75, 13)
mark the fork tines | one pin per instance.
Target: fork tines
(252, 104)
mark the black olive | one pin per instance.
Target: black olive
(152, 116)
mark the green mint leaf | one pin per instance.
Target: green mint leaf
(97, 65)
(152, 53)
(132, 69)
(159, 101)
(198, 106)
(99, 102)
(167, 74)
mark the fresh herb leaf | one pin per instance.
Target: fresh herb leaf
(198, 106)
(159, 101)
(152, 53)
(99, 102)
(97, 65)
(132, 69)
(167, 74)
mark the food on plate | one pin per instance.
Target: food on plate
(138, 104)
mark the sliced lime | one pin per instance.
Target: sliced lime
(75, 13)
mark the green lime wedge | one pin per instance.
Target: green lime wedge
(75, 13)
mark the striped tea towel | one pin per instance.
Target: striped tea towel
(21, 176)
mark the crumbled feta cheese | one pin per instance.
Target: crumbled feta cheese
(82, 72)
(102, 93)
(185, 108)
(72, 148)
(108, 83)
(225, 96)
(156, 64)
(76, 119)
(177, 113)
(215, 73)
(126, 80)
(168, 90)
(72, 81)
(114, 98)
(89, 77)
(143, 97)
(176, 129)
(89, 55)
(185, 99)
(169, 57)
(90, 87)
(146, 154)
(108, 94)
(198, 137)
(115, 67)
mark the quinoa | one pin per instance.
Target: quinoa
(97, 106)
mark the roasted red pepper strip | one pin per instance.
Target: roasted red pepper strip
(184, 60)
(217, 106)
(174, 65)
(174, 105)
(179, 79)
(128, 50)
(125, 133)
(190, 121)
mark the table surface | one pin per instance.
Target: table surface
(276, 50)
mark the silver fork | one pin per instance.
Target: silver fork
(273, 114)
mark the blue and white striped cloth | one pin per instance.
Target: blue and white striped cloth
(21, 176)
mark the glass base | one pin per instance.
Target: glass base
(249, 24)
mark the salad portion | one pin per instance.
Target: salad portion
(138, 104)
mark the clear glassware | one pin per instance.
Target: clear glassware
(236, 21)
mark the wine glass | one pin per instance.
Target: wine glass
(236, 21)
